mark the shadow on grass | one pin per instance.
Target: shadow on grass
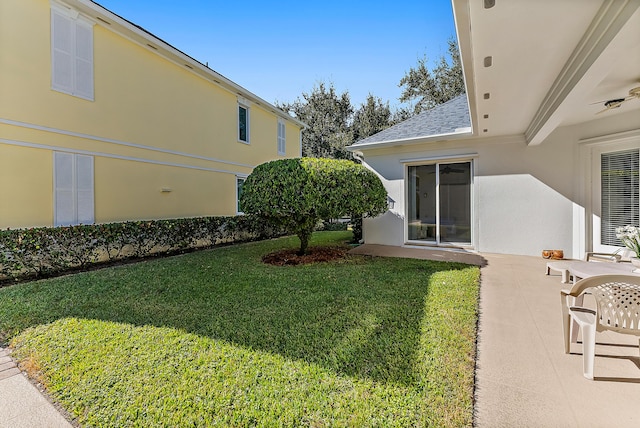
(361, 317)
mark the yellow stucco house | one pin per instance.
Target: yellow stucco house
(100, 121)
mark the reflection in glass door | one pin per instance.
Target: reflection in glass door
(439, 203)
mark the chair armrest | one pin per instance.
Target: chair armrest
(581, 309)
(566, 292)
(614, 257)
(583, 316)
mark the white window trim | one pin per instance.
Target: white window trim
(584, 210)
(79, 20)
(242, 177)
(439, 159)
(596, 195)
(282, 139)
(248, 109)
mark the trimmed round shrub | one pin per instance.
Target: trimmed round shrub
(296, 193)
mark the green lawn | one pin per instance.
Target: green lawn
(217, 338)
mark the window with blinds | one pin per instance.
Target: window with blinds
(620, 193)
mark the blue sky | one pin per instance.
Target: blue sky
(278, 50)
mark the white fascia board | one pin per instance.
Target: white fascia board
(462, 23)
(121, 26)
(463, 133)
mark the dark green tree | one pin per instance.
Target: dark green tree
(372, 117)
(328, 116)
(401, 114)
(295, 194)
(428, 88)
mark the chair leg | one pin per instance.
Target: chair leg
(566, 324)
(566, 327)
(577, 301)
(588, 349)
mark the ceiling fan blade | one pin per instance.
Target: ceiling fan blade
(610, 107)
(634, 93)
(611, 104)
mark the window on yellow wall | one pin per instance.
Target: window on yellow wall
(71, 53)
(243, 123)
(281, 137)
(73, 196)
(239, 182)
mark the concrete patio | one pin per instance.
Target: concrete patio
(523, 376)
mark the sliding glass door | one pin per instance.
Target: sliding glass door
(439, 203)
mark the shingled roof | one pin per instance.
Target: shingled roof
(451, 117)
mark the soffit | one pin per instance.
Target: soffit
(543, 74)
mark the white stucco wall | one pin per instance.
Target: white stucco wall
(520, 214)
(525, 198)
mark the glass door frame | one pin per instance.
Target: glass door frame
(438, 161)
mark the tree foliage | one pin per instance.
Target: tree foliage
(296, 193)
(428, 88)
(373, 116)
(328, 117)
(333, 123)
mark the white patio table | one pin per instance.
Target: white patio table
(580, 269)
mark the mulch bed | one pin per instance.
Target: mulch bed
(290, 257)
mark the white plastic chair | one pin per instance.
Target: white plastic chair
(617, 300)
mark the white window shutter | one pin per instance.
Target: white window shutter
(62, 52)
(64, 203)
(84, 189)
(84, 60)
(281, 137)
(73, 189)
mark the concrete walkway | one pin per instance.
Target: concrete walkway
(523, 376)
(21, 404)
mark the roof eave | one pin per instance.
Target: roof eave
(463, 133)
(462, 22)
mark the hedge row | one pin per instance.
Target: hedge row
(46, 251)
